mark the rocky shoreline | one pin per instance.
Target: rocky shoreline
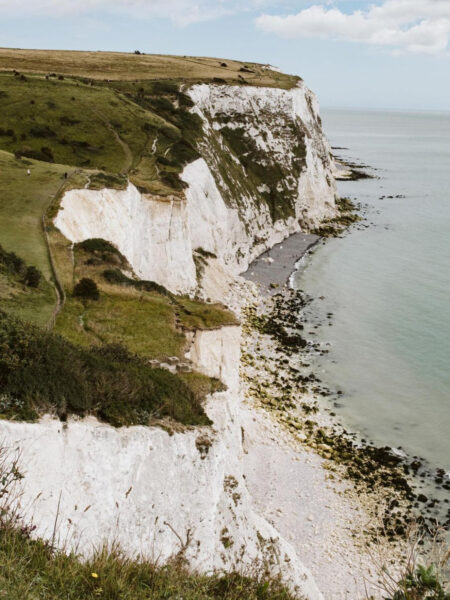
(377, 484)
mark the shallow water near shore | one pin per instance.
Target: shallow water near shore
(388, 286)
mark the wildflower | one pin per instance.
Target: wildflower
(94, 575)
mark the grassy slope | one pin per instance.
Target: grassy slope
(146, 322)
(90, 127)
(83, 125)
(122, 66)
(99, 134)
(29, 570)
(24, 200)
(26, 303)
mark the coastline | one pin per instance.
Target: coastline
(272, 269)
(360, 514)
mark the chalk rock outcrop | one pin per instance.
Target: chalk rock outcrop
(266, 172)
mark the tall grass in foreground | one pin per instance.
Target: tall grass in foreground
(424, 575)
(34, 570)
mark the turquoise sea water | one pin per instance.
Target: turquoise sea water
(388, 286)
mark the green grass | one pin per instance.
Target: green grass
(129, 67)
(24, 200)
(145, 132)
(143, 323)
(31, 570)
(142, 316)
(41, 372)
(34, 305)
(82, 125)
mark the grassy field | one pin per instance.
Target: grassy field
(24, 200)
(144, 131)
(28, 304)
(148, 323)
(79, 124)
(69, 131)
(126, 67)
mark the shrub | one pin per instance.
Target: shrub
(97, 245)
(43, 372)
(173, 180)
(42, 131)
(47, 153)
(183, 153)
(167, 162)
(164, 87)
(32, 277)
(108, 180)
(184, 100)
(87, 289)
(11, 262)
(115, 276)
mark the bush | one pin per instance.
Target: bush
(42, 131)
(44, 155)
(183, 153)
(47, 152)
(97, 245)
(43, 372)
(87, 289)
(100, 181)
(115, 276)
(32, 277)
(173, 180)
(11, 262)
(164, 87)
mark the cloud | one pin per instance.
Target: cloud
(414, 26)
(181, 12)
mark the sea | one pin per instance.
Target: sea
(387, 283)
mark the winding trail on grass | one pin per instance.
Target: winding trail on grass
(125, 147)
(59, 289)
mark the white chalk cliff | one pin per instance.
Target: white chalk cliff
(221, 212)
(154, 493)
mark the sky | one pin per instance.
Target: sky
(383, 54)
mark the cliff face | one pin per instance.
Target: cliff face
(265, 173)
(155, 494)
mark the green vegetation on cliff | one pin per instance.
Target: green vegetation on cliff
(40, 372)
(143, 316)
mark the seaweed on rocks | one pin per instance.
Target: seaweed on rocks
(285, 385)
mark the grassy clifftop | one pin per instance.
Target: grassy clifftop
(59, 132)
(126, 67)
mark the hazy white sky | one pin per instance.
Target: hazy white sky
(385, 53)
